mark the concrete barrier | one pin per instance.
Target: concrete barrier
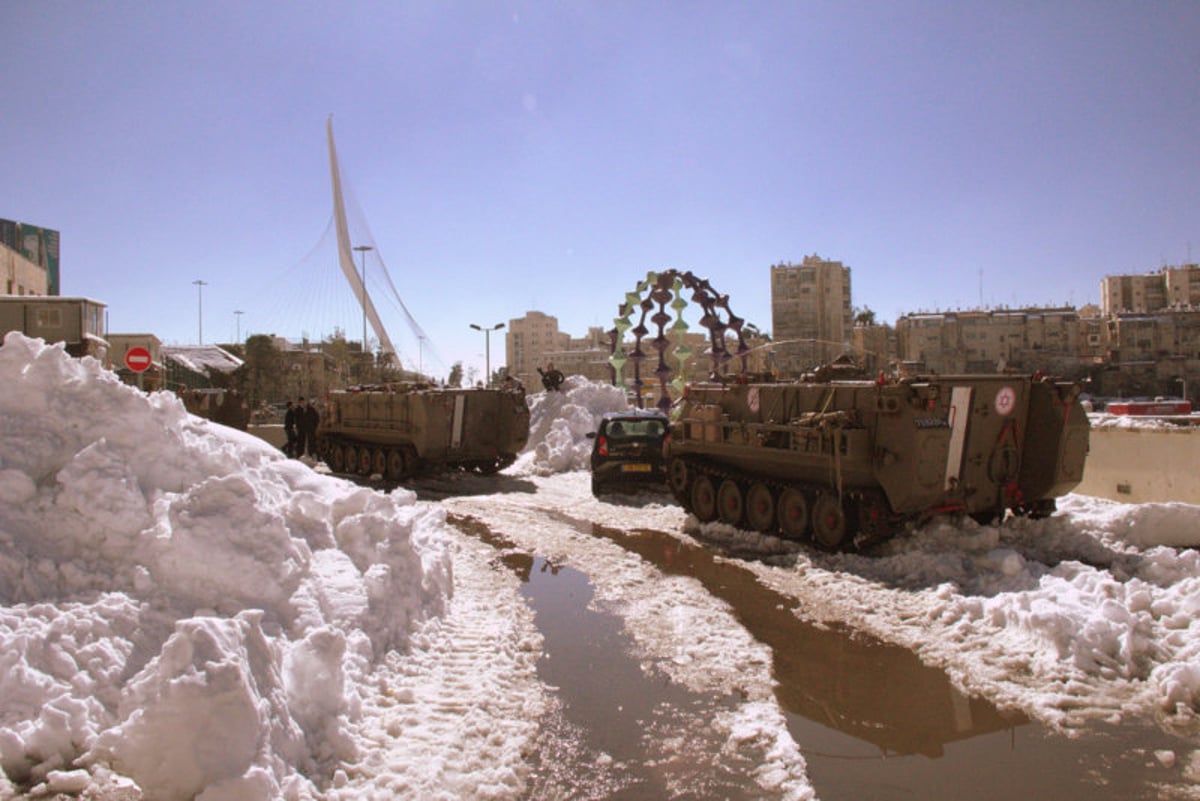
(1140, 465)
(271, 433)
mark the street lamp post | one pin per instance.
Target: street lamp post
(363, 250)
(487, 347)
(238, 316)
(200, 307)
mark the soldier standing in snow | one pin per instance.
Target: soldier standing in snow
(310, 419)
(289, 428)
(551, 378)
(301, 427)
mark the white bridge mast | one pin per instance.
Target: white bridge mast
(346, 255)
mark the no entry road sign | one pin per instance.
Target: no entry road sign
(137, 359)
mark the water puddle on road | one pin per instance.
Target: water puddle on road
(619, 731)
(872, 721)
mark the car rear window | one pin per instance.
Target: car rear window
(634, 428)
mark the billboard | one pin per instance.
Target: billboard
(39, 245)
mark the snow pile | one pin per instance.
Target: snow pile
(1106, 420)
(559, 423)
(181, 604)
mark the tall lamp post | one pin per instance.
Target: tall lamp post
(200, 306)
(238, 316)
(363, 250)
(487, 347)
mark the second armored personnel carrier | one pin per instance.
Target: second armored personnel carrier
(846, 462)
(399, 431)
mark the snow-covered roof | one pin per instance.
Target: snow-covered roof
(202, 359)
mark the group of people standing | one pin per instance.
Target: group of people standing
(300, 425)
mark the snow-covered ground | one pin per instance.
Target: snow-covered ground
(184, 610)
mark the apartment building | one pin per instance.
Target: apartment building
(530, 343)
(1170, 287)
(587, 356)
(988, 341)
(810, 313)
(21, 276)
(37, 247)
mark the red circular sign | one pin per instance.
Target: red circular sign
(1006, 401)
(137, 359)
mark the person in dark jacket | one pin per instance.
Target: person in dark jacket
(289, 428)
(309, 419)
(552, 379)
(301, 428)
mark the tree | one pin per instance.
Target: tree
(864, 316)
(263, 371)
(337, 350)
(456, 375)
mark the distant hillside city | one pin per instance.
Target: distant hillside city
(1144, 339)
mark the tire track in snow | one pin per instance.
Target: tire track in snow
(456, 717)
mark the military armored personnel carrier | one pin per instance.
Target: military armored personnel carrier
(847, 462)
(400, 431)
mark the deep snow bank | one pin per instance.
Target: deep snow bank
(559, 423)
(181, 604)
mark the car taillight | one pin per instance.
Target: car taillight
(666, 446)
(602, 446)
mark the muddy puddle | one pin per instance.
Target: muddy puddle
(619, 731)
(872, 721)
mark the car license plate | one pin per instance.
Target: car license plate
(635, 468)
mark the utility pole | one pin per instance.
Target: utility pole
(363, 250)
(487, 348)
(238, 316)
(200, 306)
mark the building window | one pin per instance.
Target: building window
(49, 318)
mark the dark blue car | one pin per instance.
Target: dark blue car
(629, 451)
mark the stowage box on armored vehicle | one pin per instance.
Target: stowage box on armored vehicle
(402, 430)
(849, 462)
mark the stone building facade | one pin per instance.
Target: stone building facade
(811, 316)
(1170, 287)
(529, 343)
(20, 276)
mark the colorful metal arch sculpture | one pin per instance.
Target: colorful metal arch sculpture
(660, 289)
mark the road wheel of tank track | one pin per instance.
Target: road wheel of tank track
(730, 502)
(793, 513)
(337, 458)
(1038, 509)
(760, 507)
(704, 499)
(830, 524)
(677, 477)
(350, 458)
(379, 461)
(874, 519)
(395, 464)
(363, 466)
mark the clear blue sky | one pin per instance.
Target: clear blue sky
(543, 156)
